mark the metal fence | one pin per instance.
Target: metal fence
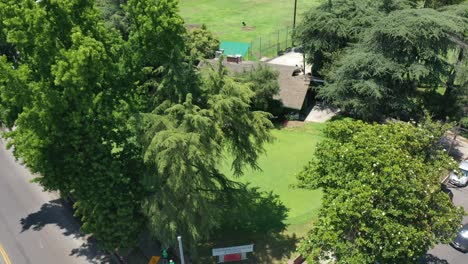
(271, 45)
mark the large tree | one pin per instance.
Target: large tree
(400, 53)
(63, 93)
(184, 146)
(331, 27)
(374, 61)
(128, 127)
(186, 126)
(382, 198)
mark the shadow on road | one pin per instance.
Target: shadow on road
(89, 251)
(431, 259)
(58, 213)
(456, 152)
(52, 213)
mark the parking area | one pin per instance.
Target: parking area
(446, 254)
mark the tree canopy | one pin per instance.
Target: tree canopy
(62, 93)
(263, 80)
(124, 123)
(382, 201)
(378, 57)
(202, 43)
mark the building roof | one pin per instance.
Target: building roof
(293, 89)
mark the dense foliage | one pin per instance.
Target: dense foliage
(263, 80)
(63, 94)
(202, 43)
(382, 198)
(114, 16)
(383, 58)
(121, 119)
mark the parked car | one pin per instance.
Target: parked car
(461, 179)
(461, 240)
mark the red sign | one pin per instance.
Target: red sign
(232, 257)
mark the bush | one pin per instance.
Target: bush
(202, 43)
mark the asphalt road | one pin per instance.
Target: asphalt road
(35, 227)
(446, 254)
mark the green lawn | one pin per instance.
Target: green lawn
(225, 17)
(286, 156)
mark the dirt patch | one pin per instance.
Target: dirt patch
(247, 28)
(291, 124)
(193, 26)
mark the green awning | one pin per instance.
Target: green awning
(234, 48)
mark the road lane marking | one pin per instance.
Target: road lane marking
(4, 255)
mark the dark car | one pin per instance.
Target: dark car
(461, 240)
(446, 190)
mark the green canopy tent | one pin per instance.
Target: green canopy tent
(234, 48)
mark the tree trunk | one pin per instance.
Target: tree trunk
(451, 79)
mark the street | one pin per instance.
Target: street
(446, 254)
(35, 227)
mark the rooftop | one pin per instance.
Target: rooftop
(293, 89)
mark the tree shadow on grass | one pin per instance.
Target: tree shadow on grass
(59, 213)
(252, 217)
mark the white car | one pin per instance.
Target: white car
(462, 179)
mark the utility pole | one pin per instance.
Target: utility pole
(294, 20)
(181, 250)
(294, 23)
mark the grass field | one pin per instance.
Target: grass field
(286, 156)
(225, 17)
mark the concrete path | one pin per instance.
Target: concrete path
(291, 59)
(321, 113)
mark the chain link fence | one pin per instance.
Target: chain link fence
(271, 45)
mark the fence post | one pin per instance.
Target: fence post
(269, 43)
(260, 49)
(286, 38)
(278, 44)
